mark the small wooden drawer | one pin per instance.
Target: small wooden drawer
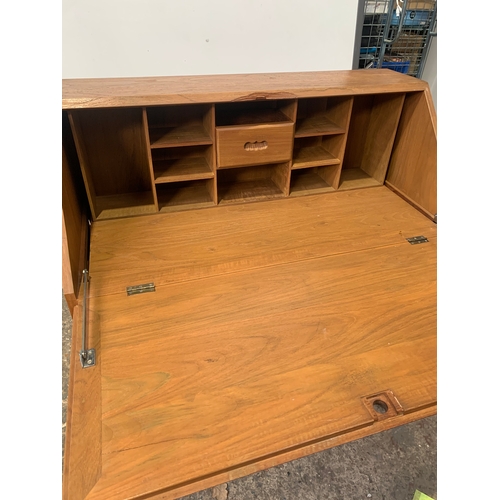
(238, 146)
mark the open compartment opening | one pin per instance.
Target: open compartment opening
(253, 183)
(180, 125)
(373, 125)
(113, 154)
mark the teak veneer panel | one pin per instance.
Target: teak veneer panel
(415, 147)
(238, 367)
(75, 228)
(83, 451)
(191, 245)
(258, 348)
(150, 91)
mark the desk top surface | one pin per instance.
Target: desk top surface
(151, 91)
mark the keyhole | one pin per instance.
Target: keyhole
(379, 406)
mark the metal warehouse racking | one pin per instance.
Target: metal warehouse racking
(396, 34)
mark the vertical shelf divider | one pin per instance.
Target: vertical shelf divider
(342, 115)
(382, 129)
(339, 142)
(290, 111)
(150, 159)
(209, 124)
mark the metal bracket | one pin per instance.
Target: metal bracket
(87, 356)
(134, 290)
(416, 240)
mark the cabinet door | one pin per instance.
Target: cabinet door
(74, 220)
(413, 166)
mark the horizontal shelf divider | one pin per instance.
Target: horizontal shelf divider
(183, 135)
(312, 156)
(260, 117)
(316, 125)
(181, 169)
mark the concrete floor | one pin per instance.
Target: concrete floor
(390, 465)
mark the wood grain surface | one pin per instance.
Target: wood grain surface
(263, 341)
(413, 166)
(276, 137)
(191, 245)
(75, 229)
(150, 91)
(241, 366)
(83, 452)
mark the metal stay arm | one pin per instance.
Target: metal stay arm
(87, 356)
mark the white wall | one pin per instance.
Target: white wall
(430, 69)
(118, 38)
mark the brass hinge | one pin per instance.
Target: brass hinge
(416, 240)
(146, 287)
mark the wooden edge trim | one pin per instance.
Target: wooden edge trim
(153, 91)
(408, 200)
(288, 455)
(432, 109)
(72, 302)
(68, 284)
(82, 463)
(67, 280)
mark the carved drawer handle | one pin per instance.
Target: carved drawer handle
(255, 146)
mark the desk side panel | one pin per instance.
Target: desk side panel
(413, 166)
(75, 226)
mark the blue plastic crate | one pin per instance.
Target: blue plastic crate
(399, 66)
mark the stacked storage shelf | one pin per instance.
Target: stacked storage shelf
(320, 138)
(182, 155)
(138, 161)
